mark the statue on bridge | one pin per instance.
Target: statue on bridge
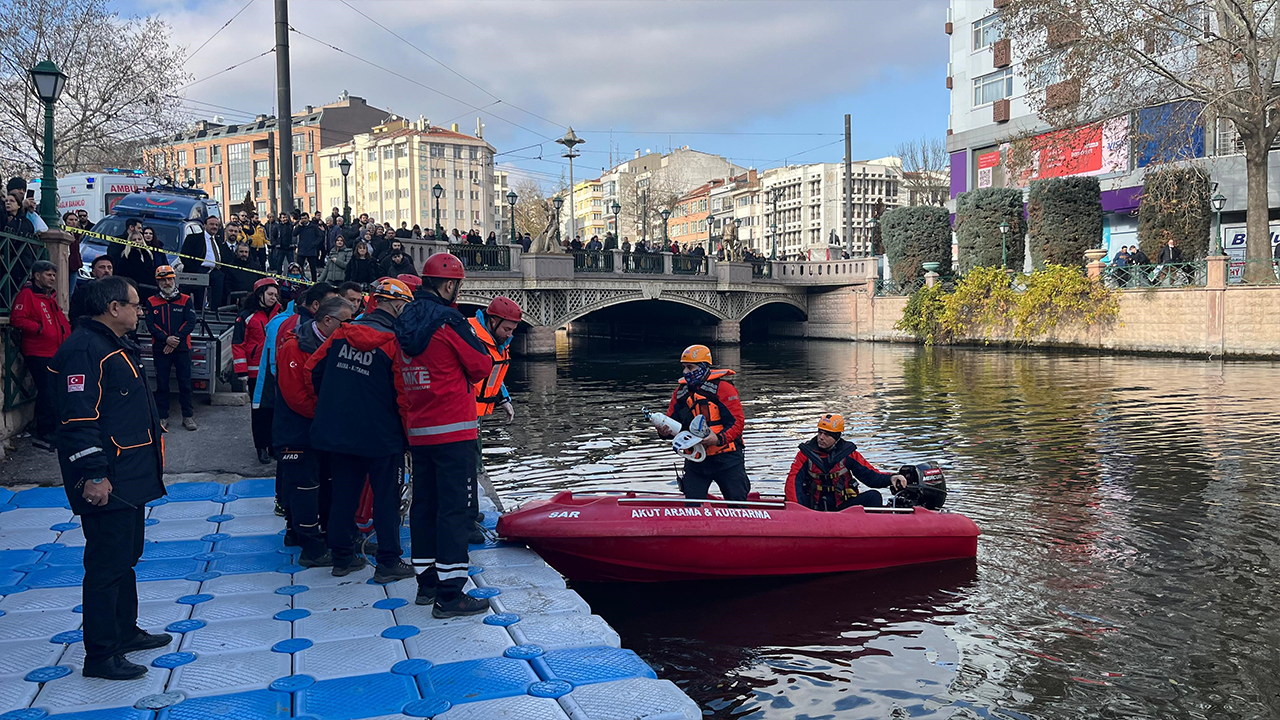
(547, 241)
(729, 239)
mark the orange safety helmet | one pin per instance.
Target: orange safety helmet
(392, 289)
(444, 265)
(165, 271)
(413, 281)
(505, 308)
(832, 423)
(696, 354)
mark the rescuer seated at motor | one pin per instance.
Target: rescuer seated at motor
(827, 470)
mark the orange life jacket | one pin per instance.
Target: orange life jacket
(702, 401)
(488, 392)
(827, 473)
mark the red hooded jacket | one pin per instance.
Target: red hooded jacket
(248, 340)
(40, 318)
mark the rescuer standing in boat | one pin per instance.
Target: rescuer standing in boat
(708, 393)
(827, 470)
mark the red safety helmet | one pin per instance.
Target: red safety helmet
(413, 281)
(505, 308)
(444, 265)
(392, 289)
(264, 282)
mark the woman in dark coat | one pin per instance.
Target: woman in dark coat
(362, 268)
(137, 263)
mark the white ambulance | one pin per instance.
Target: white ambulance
(95, 193)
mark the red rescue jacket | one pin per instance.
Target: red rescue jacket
(40, 318)
(249, 338)
(716, 399)
(828, 479)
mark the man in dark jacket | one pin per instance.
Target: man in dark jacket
(102, 266)
(208, 246)
(352, 373)
(1170, 254)
(295, 407)
(112, 463)
(171, 316)
(397, 263)
(280, 237)
(242, 271)
(310, 241)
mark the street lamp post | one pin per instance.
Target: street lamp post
(1219, 202)
(569, 141)
(345, 167)
(617, 229)
(511, 200)
(47, 81)
(710, 240)
(557, 202)
(666, 241)
(1004, 244)
(437, 192)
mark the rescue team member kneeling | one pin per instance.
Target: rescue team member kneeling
(827, 470)
(706, 392)
(440, 360)
(295, 406)
(112, 460)
(352, 373)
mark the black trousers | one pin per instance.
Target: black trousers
(280, 259)
(726, 470)
(299, 475)
(440, 518)
(180, 361)
(46, 416)
(349, 474)
(260, 419)
(313, 261)
(113, 544)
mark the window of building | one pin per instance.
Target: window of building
(475, 194)
(371, 155)
(473, 153)
(215, 153)
(388, 174)
(437, 150)
(458, 215)
(457, 152)
(182, 158)
(217, 193)
(373, 196)
(402, 150)
(310, 183)
(457, 174)
(261, 168)
(986, 31)
(311, 203)
(257, 188)
(299, 142)
(402, 172)
(1044, 72)
(199, 176)
(239, 170)
(403, 193)
(992, 87)
(297, 164)
(311, 166)
(388, 153)
(202, 156)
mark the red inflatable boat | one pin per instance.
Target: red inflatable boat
(654, 537)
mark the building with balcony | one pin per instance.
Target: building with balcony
(802, 207)
(398, 163)
(230, 161)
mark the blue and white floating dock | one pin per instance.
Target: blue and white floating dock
(258, 637)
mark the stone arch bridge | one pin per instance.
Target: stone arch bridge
(567, 291)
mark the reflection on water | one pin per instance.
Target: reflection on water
(1128, 505)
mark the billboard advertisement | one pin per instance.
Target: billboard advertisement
(1234, 243)
(1096, 149)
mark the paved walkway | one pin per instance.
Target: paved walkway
(258, 637)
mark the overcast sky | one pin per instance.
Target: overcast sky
(657, 73)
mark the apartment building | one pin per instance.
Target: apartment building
(230, 161)
(588, 210)
(738, 201)
(501, 209)
(396, 165)
(803, 207)
(649, 181)
(687, 225)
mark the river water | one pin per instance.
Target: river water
(1129, 509)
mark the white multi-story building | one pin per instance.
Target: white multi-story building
(501, 210)
(802, 207)
(396, 165)
(648, 181)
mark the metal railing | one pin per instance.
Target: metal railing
(589, 261)
(1186, 274)
(17, 254)
(493, 258)
(893, 287)
(643, 263)
(761, 270)
(1236, 270)
(688, 265)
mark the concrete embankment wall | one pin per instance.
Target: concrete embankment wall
(1233, 321)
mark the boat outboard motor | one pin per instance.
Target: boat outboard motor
(926, 487)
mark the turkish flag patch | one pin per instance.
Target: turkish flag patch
(75, 383)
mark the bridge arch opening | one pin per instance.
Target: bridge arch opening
(649, 321)
(772, 318)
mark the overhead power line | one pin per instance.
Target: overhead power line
(708, 132)
(224, 27)
(233, 67)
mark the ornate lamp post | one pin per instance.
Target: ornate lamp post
(511, 200)
(437, 192)
(1004, 245)
(710, 242)
(1218, 201)
(666, 242)
(47, 81)
(569, 141)
(557, 202)
(617, 229)
(345, 167)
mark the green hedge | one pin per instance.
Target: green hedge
(916, 235)
(1175, 202)
(978, 217)
(1065, 218)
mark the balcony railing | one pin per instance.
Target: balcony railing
(589, 261)
(761, 270)
(480, 258)
(688, 265)
(1187, 274)
(643, 263)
